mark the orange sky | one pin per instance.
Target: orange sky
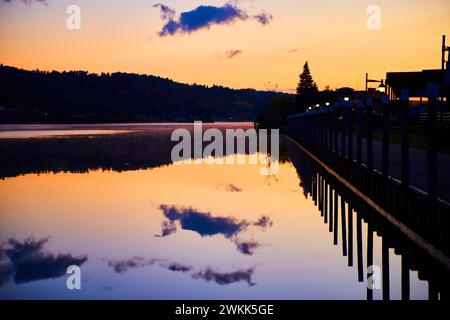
(331, 35)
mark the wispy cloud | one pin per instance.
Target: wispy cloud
(205, 16)
(26, 1)
(230, 54)
(166, 12)
(264, 18)
(225, 278)
(208, 274)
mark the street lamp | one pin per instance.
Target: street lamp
(346, 99)
(381, 88)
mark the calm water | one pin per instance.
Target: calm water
(142, 227)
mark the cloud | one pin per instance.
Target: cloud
(203, 17)
(247, 248)
(26, 1)
(208, 274)
(230, 54)
(263, 222)
(27, 261)
(264, 18)
(166, 12)
(122, 266)
(178, 267)
(167, 228)
(202, 222)
(206, 225)
(226, 278)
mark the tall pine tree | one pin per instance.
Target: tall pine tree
(306, 89)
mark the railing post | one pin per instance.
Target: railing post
(359, 125)
(404, 137)
(432, 159)
(350, 134)
(369, 110)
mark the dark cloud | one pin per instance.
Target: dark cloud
(27, 261)
(178, 267)
(204, 17)
(230, 54)
(264, 18)
(208, 274)
(248, 247)
(225, 278)
(167, 228)
(263, 222)
(206, 225)
(202, 222)
(122, 266)
(166, 12)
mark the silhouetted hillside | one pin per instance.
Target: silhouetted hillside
(81, 97)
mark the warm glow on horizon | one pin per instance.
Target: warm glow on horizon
(331, 35)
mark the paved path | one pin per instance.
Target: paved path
(418, 166)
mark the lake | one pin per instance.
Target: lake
(109, 199)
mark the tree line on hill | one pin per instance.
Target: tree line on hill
(82, 97)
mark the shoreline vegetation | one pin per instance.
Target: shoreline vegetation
(82, 97)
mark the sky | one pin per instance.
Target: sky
(259, 44)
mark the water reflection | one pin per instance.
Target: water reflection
(413, 258)
(161, 231)
(206, 225)
(27, 261)
(207, 274)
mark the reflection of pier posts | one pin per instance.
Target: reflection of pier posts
(320, 194)
(344, 227)
(359, 248)
(325, 201)
(369, 258)
(350, 236)
(433, 294)
(314, 190)
(405, 279)
(385, 267)
(336, 226)
(330, 225)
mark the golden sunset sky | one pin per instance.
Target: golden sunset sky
(332, 35)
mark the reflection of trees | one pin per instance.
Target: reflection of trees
(78, 154)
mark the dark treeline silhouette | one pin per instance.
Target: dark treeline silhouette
(82, 97)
